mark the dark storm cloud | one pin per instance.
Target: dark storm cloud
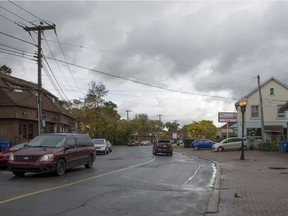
(208, 47)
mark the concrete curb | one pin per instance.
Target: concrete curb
(214, 198)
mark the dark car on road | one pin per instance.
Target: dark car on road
(202, 143)
(163, 147)
(54, 152)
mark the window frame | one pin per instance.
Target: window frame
(282, 114)
(253, 111)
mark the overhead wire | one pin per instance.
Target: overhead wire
(16, 15)
(58, 68)
(8, 35)
(22, 26)
(60, 92)
(50, 49)
(29, 13)
(142, 83)
(66, 60)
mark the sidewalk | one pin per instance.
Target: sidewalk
(256, 186)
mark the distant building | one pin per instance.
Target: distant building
(274, 96)
(19, 111)
(225, 130)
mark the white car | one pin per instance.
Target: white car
(233, 143)
(101, 146)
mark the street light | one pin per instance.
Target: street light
(243, 103)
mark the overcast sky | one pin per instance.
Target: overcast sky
(185, 61)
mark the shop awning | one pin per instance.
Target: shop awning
(273, 128)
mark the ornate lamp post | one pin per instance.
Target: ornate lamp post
(242, 104)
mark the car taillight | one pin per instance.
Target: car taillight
(157, 145)
(170, 146)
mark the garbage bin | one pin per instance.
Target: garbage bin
(283, 146)
(187, 143)
(4, 145)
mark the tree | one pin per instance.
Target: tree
(206, 128)
(172, 127)
(95, 94)
(5, 70)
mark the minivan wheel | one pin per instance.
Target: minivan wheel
(220, 149)
(60, 167)
(18, 173)
(90, 162)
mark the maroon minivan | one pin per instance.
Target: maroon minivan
(53, 152)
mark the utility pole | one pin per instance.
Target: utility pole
(40, 28)
(261, 110)
(128, 113)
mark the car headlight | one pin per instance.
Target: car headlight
(11, 157)
(47, 157)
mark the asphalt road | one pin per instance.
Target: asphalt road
(128, 181)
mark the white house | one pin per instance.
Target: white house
(274, 96)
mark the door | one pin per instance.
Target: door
(27, 131)
(71, 152)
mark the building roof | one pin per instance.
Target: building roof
(267, 81)
(18, 92)
(261, 85)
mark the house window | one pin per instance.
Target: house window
(279, 113)
(271, 91)
(255, 111)
(17, 89)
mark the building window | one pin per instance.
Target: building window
(17, 88)
(279, 113)
(271, 91)
(255, 111)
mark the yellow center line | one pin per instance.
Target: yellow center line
(72, 183)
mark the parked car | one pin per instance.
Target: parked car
(145, 143)
(133, 143)
(202, 143)
(54, 152)
(109, 146)
(163, 146)
(233, 143)
(101, 145)
(4, 156)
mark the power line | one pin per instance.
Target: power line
(22, 26)
(49, 24)
(142, 83)
(15, 15)
(58, 68)
(66, 59)
(8, 35)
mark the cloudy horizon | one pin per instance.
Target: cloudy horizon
(185, 61)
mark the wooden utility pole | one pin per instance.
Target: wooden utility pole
(40, 29)
(128, 113)
(261, 111)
